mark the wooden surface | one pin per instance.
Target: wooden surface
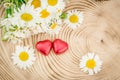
(99, 33)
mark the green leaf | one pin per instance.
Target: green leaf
(12, 10)
(14, 28)
(0, 1)
(63, 16)
(26, 1)
(22, 1)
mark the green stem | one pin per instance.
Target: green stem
(12, 10)
(22, 2)
(8, 11)
(17, 4)
(12, 7)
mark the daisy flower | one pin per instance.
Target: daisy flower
(23, 57)
(36, 3)
(54, 27)
(74, 18)
(26, 16)
(54, 5)
(90, 63)
(45, 15)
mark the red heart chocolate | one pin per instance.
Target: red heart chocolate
(44, 47)
(59, 46)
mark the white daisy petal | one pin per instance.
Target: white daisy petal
(96, 70)
(82, 65)
(90, 55)
(90, 71)
(85, 69)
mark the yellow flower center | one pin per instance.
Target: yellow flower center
(36, 3)
(52, 2)
(44, 13)
(26, 17)
(23, 56)
(73, 18)
(59, 10)
(53, 26)
(91, 64)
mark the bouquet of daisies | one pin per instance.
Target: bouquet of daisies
(24, 18)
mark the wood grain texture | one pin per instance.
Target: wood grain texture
(99, 33)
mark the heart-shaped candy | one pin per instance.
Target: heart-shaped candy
(44, 47)
(59, 46)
